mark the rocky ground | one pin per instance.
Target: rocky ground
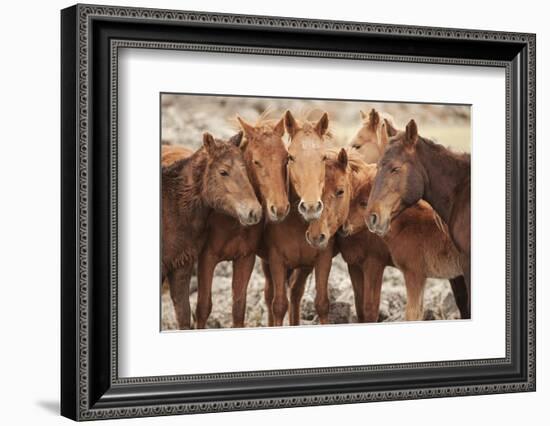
(185, 118)
(439, 301)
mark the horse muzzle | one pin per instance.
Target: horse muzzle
(377, 225)
(310, 211)
(317, 241)
(250, 216)
(278, 214)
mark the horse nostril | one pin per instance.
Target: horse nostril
(273, 209)
(302, 207)
(252, 217)
(319, 206)
(373, 218)
(287, 209)
(322, 237)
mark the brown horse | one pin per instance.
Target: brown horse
(369, 142)
(414, 168)
(284, 246)
(265, 158)
(416, 244)
(320, 233)
(213, 178)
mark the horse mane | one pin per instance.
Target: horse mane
(445, 151)
(183, 186)
(173, 170)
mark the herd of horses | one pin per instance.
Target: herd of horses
(277, 190)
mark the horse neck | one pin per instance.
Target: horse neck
(445, 173)
(251, 177)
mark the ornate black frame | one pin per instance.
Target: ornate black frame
(91, 37)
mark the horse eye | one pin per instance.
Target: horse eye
(324, 158)
(363, 204)
(340, 192)
(290, 158)
(395, 169)
(224, 173)
(257, 163)
(356, 146)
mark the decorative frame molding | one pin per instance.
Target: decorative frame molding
(85, 396)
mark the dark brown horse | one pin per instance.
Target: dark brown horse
(265, 158)
(416, 244)
(414, 168)
(213, 178)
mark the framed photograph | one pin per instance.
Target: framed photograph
(263, 212)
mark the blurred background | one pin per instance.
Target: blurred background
(184, 118)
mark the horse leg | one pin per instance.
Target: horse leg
(356, 277)
(268, 292)
(242, 269)
(206, 265)
(373, 273)
(178, 280)
(414, 281)
(280, 300)
(297, 286)
(322, 271)
(458, 285)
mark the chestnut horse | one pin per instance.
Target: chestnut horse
(213, 178)
(265, 157)
(284, 246)
(416, 244)
(414, 168)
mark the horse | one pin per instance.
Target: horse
(265, 158)
(320, 233)
(368, 141)
(213, 178)
(417, 245)
(284, 246)
(414, 168)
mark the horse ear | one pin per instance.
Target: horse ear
(279, 128)
(209, 143)
(322, 125)
(411, 133)
(384, 133)
(290, 124)
(363, 115)
(343, 159)
(374, 118)
(391, 131)
(248, 128)
(236, 140)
